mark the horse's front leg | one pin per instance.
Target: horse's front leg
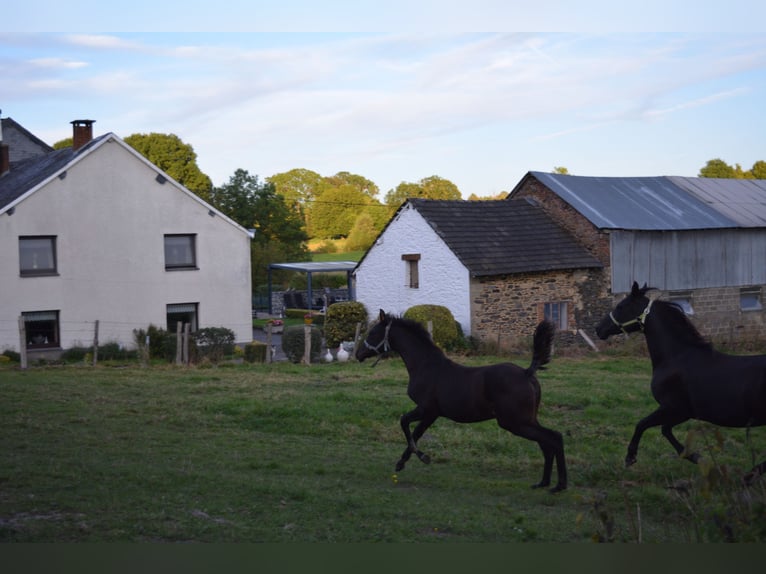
(426, 420)
(662, 416)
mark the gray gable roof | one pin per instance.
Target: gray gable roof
(503, 237)
(22, 143)
(660, 203)
(27, 174)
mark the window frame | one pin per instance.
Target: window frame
(412, 270)
(750, 293)
(54, 330)
(558, 313)
(192, 312)
(188, 264)
(50, 253)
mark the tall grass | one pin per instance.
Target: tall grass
(283, 453)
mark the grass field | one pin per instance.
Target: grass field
(290, 453)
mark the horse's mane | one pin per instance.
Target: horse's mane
(682, 327)
(417, 329)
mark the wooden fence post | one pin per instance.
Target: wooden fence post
(179, 343)
(269, 358)
(95, 343)
(23, 342)
(307, 344)
(187, 331)
(356, 338)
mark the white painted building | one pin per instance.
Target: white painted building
(96, 232)
(410, 264)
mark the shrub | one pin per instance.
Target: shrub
(341, 321)
(12, 355)
(255, 352)
(162, 344)
(214, 343)
(445, 333)
(293, 343)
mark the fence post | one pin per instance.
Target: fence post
(268, 343)
(179, 343)
(307, 344)
(356, 337)
(23, 341)
(95, 343)
(187, 331)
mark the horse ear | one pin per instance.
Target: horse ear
(635, 291)
(382, 316)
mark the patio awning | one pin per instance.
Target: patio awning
(310, 267)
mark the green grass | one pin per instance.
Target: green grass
(346, 256)
(289, 453)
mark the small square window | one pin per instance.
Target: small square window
(750, 299)
(180, 252)
(41, 329)
(557, 314)
(181, 313)
(37, 256)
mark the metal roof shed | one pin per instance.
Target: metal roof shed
(310, 267)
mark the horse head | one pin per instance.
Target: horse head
(376, 342)
(629, 314)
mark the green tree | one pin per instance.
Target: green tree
(61, 144)
(361, 183)
(279, 232)
(560, 170)
(433, 187)
(759, 170)
(363, 233)
(334, 212)
(298, 185)
(717, 168)
(175, 158)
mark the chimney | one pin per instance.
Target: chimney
(5, 153)
(82, 133)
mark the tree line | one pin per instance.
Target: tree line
(288, 210)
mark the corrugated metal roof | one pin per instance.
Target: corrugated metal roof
(742, 200)
(637, 203)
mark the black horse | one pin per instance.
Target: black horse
(690, 379)
(442, 388)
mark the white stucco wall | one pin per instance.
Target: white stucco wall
(381, 279)
(109, 216)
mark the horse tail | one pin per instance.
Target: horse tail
(542, 343)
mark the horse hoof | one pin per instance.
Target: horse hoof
(557, 488)
(693, 457)
(630, 461)
(399, 466)
(541, 484)
(424, 457)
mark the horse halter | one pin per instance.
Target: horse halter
(640, 320)
(383, 343)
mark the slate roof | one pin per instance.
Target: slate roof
(660, 203)
(503, 237)
(24, 176)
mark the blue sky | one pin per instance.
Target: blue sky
(611, 97)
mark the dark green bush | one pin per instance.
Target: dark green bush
(341, 321)
(214, 343)
(12, 355)
(162, 344)
(293, 343)
(445, 333)
(255, 352)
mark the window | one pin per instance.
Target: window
(41, 329)
(411, 272)
(37, 255)
(683, 299)
(180, 252)
(181, 313)
(750, 299)
(557, 314)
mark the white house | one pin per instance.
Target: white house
(498, 266)
(95, 232)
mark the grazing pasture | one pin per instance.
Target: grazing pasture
(290, 453)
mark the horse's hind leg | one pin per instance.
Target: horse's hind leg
(552, 445)
(426, 420)
(755, 472)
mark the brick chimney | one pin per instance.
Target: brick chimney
(82, 133)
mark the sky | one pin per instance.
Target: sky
(268, 87)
